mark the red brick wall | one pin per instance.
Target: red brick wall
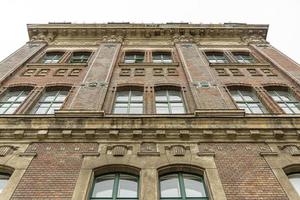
(244, 173)
(53, 173)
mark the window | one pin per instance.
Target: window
(80, 57)
(50, 101)
(286, 101)
(161, 57)
(52, 57)
(3, 180)
(216, 57)
(134, 57)
(247, 100)
(169, 102)
(129, 102)
(244, 57)
(295, 181)
(115, 187)
(182, 186)
(12, 100)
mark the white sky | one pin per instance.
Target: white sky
(282, 15)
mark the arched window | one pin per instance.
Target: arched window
(12, 99)
(115, 186)
(4, 177)
(52, 99)
(129, 102)
(294, 178)
(169, 102)
(182, 186)
(285, 100)
(246, 99)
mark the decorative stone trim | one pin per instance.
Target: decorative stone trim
(118, 150)
(268, 153)
(19, 134)
(66, 133)
(25, 154)
(90, 134)
(278, 134)
(200, 154)
(148, 149)
(255, 134)
(7, 149)
(113, 133)
(177, 150)
(42, 134)
(220, 112)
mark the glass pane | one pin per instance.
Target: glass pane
(3, 182)
(169, 186)
(295, 181)
(177, 110)
(162, 110)
(120, 110)
(2, 110)
(161, 95)
(49, 96)
(11, 110)
(193, 186)
(174, 96)
(127, 186)
(122, 96)
(136, 110)
(41, 111)
(136, 96)
(11, 96)
(104, 186)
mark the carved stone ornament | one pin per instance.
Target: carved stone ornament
(178, 150)
(255, 39)
(291, 149)
(6, 150)
(45, 37)
(148, 149)
(112, 39)
(117, 150)
(183, 38)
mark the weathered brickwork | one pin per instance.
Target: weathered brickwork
(53, 173)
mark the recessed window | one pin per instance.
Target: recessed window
(12, 100)
(216, 57)
(52, 57)
(161, 57)
(134, 57)
(50, 101)
(295, 181)
(3, 180)
(182, 186)
(244, 57)
(169, 102)
(129, 102)
(80, 57)
(286, 101)
(247, 100)
(115, 187)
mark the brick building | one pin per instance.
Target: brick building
(149, 112)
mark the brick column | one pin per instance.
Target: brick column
(198, 71)
(90, 96)
(18, 58)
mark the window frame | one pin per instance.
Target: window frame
(167, 90)
(135, 53)
(42, 60)
(226, 59)
(115, 187)
(240, 54)
(162, 61)
(77, 52)
(290, 95)
(182, 186)
(129, 102)
(4, 176)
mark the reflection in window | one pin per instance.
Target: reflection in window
(286, 101)
(80, 57)
(50, 101)
(115, 186)
(129, 102)
(244, 57)
(161, 57)
(247, 100)
(3, 180)
(295, 181)
(182, 186)
(134, 57)
(216, 57)
(52, 57)
(169, 102)
(12, 100)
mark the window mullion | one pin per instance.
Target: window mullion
(129, 101)
(116, 186)
(181, 186)
(168, 100)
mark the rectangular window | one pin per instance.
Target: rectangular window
(52, 57)
(134, 57)
(248, 101)
(169, 102)
(129, 102)
(244, 57)
(286, 101)
(80, 57)
(12, 100)
(161, 57)
(216, 57)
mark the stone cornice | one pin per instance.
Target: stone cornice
(178, 32)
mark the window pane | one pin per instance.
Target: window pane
(169, 186)
(120, 110)
(295, 181)
(161, 96)
(136, 110)
(104, 186)
(41, 111)
(193, 186)
(174, 96)
(49, 96)
(122, 96)
(127, 186)
(3, 183)
(136, 96)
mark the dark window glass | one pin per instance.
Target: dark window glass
(50, 101)
(115, 186)
(247, 100)
(52, 57)
(80, 57)
(216, 57)
(12, 100)
(182, 186)
(134, 57)
(286, 101)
